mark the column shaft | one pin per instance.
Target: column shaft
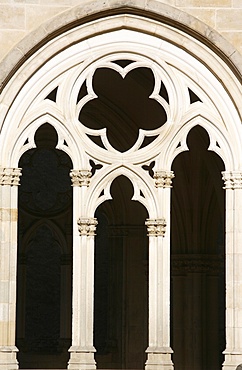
(159, 350)
(233, 351)
(82, 349)
(9, 179)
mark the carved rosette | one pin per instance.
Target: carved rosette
(87, 226)
(10, 176)
(163, 179)
(80, 177)
(232, 179)
(156, 227)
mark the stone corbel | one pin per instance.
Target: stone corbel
(80, 177)
(10, 176)
(232, 179)
(163, 179)
(156, 227)
(87, 226)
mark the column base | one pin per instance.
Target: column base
(8, 358)
(232, 360)
(81, 360)
(159, 361)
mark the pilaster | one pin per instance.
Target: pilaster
(233, 187)
(9, 180)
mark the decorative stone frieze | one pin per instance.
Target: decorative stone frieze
(156, 227)
(10, 176)
(87, 226)
(232, 179)
(80, 177)
(209, 264)
(163, 179)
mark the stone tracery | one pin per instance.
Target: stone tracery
(163, 149)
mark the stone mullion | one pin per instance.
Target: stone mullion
(233, 351)
(9, 180)
(159, 350)
(82, 349)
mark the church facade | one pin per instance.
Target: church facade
(121, 186)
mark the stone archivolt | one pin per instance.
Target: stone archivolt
(10, 176)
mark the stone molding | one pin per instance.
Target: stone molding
(232, 179)
(156, 227)
(80, 177)
(163, 179)
(87, 226)
(10, 176)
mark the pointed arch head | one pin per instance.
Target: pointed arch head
(143, 189)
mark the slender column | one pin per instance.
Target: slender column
(9, 180)
(159, 350)
(82, 349)
(233, 351)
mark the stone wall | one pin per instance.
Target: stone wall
(20, 17)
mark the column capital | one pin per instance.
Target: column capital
(87, 226)
(80, 177)
(163, 179)
(156, 227)
(232, 179)
(10, 176)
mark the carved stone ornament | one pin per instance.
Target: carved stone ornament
(163, 179)
(156, 227)
(80, 177)
(232, 179)
(10, 176)
(87, 226)
(209, 264)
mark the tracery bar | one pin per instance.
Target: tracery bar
(233, 230)
(9, 181)
(82, 349)
(159, 350)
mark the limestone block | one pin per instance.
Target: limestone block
(237, 4)
(36, 15)
(12, 17)
(229, 19)
(207, 16)
(234, 38)
(204, 3)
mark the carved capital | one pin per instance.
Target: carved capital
(232, 179)
(80, 177)
(87, 226)
(10, 176)
(163, 179)
(156, 227)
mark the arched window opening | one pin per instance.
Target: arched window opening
(121, 281)
(44, 255)
(198, 257)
